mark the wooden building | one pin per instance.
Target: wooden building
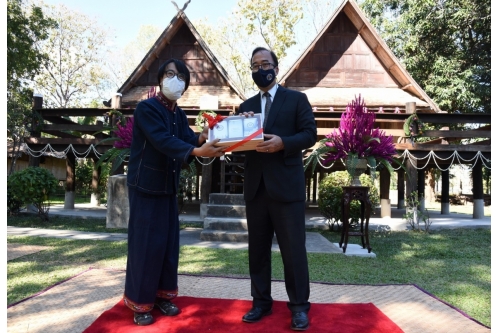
(208, 78)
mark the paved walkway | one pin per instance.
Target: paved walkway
(191, 236)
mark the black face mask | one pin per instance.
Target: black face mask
(263, 78)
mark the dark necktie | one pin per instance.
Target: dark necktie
(267, 107)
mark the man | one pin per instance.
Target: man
(274, 190)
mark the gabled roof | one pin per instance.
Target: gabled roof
(379, 49)
(175, 27)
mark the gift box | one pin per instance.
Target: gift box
(244, 133)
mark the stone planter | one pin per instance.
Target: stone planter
(118, 213)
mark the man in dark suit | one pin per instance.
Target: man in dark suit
(274, 190)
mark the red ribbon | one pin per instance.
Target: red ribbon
(245, 140)
(213, 121)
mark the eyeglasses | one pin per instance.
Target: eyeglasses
(266, 66)
(170, 74)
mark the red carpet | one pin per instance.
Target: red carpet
(224, 315)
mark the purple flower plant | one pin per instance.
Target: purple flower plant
(357, 136)
(125, 134)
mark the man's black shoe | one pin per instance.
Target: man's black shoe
(256, 314)
(167, 308)
(143, 318)
(300, 322)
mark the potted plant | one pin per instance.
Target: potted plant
(357, 143)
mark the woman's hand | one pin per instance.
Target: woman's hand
(209, 149)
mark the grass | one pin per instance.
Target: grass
(454, 265)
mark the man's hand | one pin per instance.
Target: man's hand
(247, 114)
(209, 150)
(272, 145)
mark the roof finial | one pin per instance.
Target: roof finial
(183, 8)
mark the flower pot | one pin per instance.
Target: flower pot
(357, 170)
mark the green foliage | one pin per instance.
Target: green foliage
(26, 27)
(274, 21)
(446, 47)
(330, 197)
(83, 174)
(33, 185)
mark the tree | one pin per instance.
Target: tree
(446, 47)
(122, 62)
(74, 73)
(26, 28)
(273, 21)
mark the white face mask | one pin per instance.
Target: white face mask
(173, 88)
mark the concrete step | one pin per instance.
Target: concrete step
(224, 236)
(221, 223)
(214, 210)
(226, 199)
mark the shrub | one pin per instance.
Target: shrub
(330, 197)
(33, 185)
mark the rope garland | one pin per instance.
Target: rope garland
(431, 156)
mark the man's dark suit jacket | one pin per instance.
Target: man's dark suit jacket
(292, 119)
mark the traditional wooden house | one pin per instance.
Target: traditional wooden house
(347, 59)
(208, 78)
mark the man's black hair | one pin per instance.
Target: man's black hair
(181, 67)
(258, 49)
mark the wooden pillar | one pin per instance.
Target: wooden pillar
(95, 196)
(477, 190)
(206, 186)
(69, 197)
(411, 177)
(315, 187)
(445, 191)
(401, 188)
(385, 187)
(411, 107)
(35, 125)
(421, 189)
(222, 174)
(116, 103)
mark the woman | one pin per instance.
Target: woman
(162, 141)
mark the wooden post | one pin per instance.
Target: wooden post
(69, 197)
(411, 107)
(116, 103)
(411, 177)
(401, 188)
(37, 104)
(477, 190)
(206, 186)
(222, 174)
(95, 196)
(385, 187)
(445, 192)
(421, 189)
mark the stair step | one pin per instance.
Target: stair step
(224, 236)
(214, 210)
(225, 223)
(226, 199)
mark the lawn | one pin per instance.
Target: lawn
(446, 263)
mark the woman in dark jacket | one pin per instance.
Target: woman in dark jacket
(162, 142)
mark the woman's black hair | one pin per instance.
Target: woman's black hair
(181, 67)
(258, 49)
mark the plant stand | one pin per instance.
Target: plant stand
(351, 193)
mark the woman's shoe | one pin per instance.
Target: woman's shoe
(167, 308)
(143, 318)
